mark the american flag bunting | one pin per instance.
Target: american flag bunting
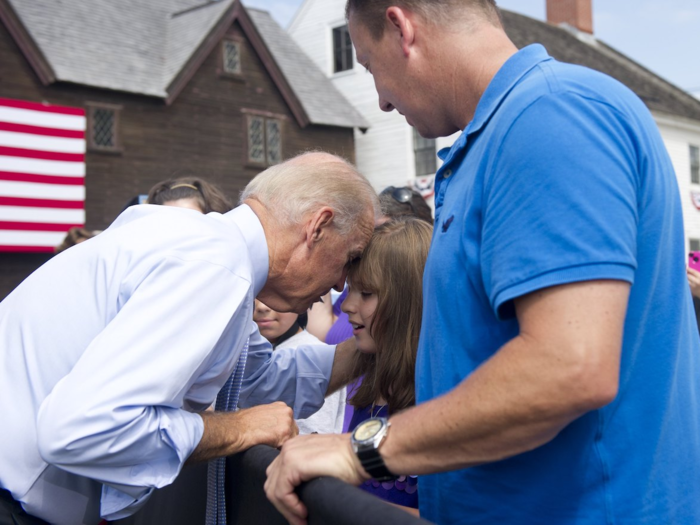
(42, 174)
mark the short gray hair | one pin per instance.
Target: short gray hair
(305, 183)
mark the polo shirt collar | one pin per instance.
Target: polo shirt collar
(514, 69)
(254, 236)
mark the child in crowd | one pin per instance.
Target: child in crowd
(190, 192)
(75, 235)
(384, 306)
(286, 330)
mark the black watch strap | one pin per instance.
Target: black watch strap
(373, 463)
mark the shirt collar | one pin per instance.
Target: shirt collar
(254, 236)
(514, 69)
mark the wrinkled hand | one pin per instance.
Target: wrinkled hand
(694, 281)
(227, 433)
(271, 425)
(305, 458)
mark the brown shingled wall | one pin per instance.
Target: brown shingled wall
(202, 133)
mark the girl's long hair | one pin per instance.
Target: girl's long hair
(392, 268)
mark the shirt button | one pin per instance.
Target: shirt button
(447, 174)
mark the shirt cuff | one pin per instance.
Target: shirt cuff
(181, 431)
(115, 504)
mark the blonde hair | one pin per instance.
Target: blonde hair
(309, 181)
(392, 268)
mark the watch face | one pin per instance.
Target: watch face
(367, 430)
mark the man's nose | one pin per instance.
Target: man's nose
(340, 283)
(385, 105)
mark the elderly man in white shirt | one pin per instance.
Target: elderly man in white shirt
(112, 351)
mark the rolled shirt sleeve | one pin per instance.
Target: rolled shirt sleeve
(117, 417)
(298, 376)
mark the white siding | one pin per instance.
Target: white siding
(678, 134)
(385, 152)
(311, 28)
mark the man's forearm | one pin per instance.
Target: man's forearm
(564, 363)
(501, 410)
(222, 437)
(227, 433)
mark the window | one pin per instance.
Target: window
(231, 57)
(425, 156)
(273, 138)
(342, 49)
(695, 164)
(103, 123)
(264, 140)
(694, 245)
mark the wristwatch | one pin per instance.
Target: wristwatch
(366, 439)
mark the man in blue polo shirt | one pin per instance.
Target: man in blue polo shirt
(558, 371)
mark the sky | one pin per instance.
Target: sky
(662, 35)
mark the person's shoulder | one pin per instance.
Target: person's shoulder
(565, 79)
(561, 95)
(151, 231)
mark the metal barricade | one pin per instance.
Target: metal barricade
(328, 500)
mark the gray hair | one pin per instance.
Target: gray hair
(305, 183)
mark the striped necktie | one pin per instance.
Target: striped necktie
(226, 401)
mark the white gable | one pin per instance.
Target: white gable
(385, 152)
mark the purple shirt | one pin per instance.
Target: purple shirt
(403, 490)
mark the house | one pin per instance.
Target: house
(131, 92)
(391, 153)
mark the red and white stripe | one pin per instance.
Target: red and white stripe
(42, 174)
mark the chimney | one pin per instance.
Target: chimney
(576, 13)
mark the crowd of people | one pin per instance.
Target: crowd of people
(531, 357)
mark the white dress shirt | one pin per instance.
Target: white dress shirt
(110, 347)
(330, 417)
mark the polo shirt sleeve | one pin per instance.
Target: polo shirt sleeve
(560, 200)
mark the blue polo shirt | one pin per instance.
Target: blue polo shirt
(561, 177)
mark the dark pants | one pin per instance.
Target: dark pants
(12, 513)
(182, 503)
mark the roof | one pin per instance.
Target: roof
(128, 45)
(323, 103)
(569, 45)
(153, 47)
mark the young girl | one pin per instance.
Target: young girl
(384, 307)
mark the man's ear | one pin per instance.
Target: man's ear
(318, 225)
(402, 27)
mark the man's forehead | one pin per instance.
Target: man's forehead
(360, 236)
(366, 236)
